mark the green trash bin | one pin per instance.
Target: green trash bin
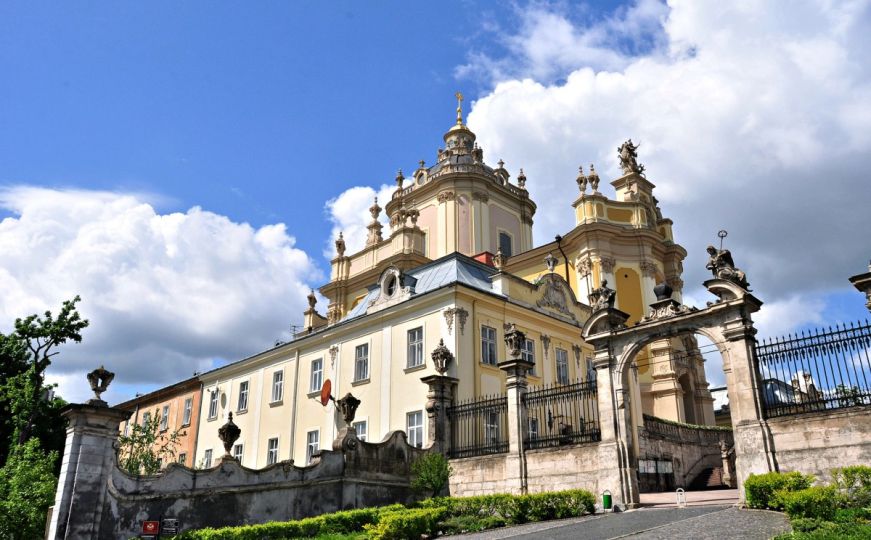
(606, 500)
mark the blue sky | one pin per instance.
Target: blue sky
(184, 166)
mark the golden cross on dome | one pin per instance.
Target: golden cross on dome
(459, 97)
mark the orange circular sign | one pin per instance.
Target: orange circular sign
(325, 392)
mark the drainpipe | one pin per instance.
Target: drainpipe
(566, 259)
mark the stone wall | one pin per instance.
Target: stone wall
(818, 442)
(481, 475)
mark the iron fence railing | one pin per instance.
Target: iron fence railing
(479, 426)
(562, 414)
(817, 370)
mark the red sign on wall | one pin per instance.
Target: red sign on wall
(150, 527)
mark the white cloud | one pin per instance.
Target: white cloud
(166, 294)
(752, 117)
(349, 214)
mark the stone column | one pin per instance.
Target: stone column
(515, 388)
(439, 398)
(89, 455)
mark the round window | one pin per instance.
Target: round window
(390, 285)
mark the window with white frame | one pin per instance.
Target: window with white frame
(242, 404)
(362, 430)
(272, 451)
(415, 347)
(277, 386)
(238, 449)
(414, 428)
(528, 353)
(532, 430)
(491, 427)
(562, 366)
(361, 362)
(488, 345)
(188, 411)
(207, 459)
(182, 458)
(146, 417)
(312, 446)
(317, 376)
(213, 403)
(164, 418)
(591, 371)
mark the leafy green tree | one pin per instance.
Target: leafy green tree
(431, 473)
(848, 396)
(27, 408)
(145, 446)
(27, 488)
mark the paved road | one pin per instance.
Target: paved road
(698, 523)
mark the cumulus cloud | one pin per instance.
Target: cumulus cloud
(752, 117)
(166, 294)
(349, 214)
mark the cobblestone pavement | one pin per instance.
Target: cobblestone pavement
(698, 523)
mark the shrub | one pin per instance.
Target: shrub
(760, 489)
(405, 524)
(465, 524)
(345, 522)
(814, 502)
(431, 473)
(855, 483)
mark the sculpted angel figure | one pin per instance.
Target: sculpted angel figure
(722, 266)
(628, 154)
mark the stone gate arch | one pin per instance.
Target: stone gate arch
(728, 323)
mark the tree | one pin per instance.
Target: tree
(27, 406)
(431, 473)
(145, 447)
(27, 487)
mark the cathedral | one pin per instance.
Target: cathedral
(456, 266)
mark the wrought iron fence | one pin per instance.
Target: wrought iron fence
(479, 426)
(821, 369)
(562, 414)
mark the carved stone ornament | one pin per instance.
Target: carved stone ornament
(585, 266)
(628, 154)
(722, 266)
(593, 177)
(602, 297)
(446, 196)
(550, 261)
(229, 434)
(394, 287)
(348, 407)
(500, 259)
(334, 351)
(442, 358)
(556, 294)
(545, 343)
(514, 340)
(333, 314)
(456, 314)
(99, 380)
(480, 196)
(312, 300)
(608, 264)
(648, 269)
(581, 180)
(521, 180)
(340, 245)
(663, 309)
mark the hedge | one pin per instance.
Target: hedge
(761, 490)
(409, 523)
(518, 508)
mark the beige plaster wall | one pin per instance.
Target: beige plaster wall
(502, 219)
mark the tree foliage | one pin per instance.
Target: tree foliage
(431, 473)
(27, 488)
(145, 446)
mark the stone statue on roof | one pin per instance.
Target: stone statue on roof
(722, 266)
(628, 154)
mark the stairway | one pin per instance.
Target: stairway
(711, 478)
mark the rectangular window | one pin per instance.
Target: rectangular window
(146, 417)
(591, 371)
(243, 396)
(362, 430)
(312, 445)
(488, 345)
(182, 459)
(237, 452)
(277, 386)
(164, 418)
(528, 353)
(207, 459)
(361, 362)
(533, 428)
(272, 451)
(317, 378)
(491, 427)
(562, 366)
(505, 244)
(188, 411)
(415, 347)
(213, 403)
(414, 428)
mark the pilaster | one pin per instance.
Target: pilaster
(439, 397)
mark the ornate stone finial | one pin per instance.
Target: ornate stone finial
(602, 297)
(550, 261)
(722, 266)
(501, 164)
(312, 300)
(229, 433)
(340, 245)
(499, 259)
(514, 340)
(414, 214)
(375, 210)
(663, 291)
(421, 164)
(99, 379)
(628, 154)
(348, 407)
(442, 358)
(399, 179)
(594, 179)
(521, 180)
(581, 180)
(459, 97)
